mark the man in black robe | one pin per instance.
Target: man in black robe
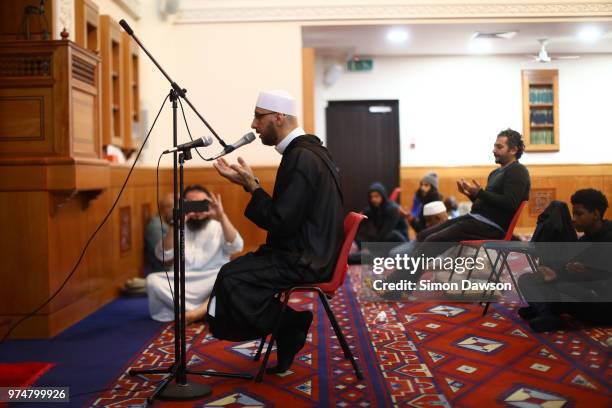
(304, 221)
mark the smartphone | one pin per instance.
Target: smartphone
(196, 206)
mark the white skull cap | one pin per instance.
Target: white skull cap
(277, 101)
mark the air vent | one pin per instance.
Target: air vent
(502, 35)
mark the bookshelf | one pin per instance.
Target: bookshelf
(87, 25)
(541, 110)
(131, 85)
(113, 72)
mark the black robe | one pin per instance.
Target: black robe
(304, 220)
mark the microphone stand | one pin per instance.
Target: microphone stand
(180, 389)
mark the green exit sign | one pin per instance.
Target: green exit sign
(360, 65)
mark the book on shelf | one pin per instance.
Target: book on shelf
(540, 95)
(541, 117)
(542, 137)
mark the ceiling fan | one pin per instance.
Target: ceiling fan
(543, 54)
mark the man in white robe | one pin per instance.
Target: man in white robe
(210, 239)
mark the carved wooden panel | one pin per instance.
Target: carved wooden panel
(21, 118)
(539, 199)
(83, 71)
(125, 229)
(25, 65)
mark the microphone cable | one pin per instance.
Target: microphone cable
(106, 217)
(188, 131)
(161, 226)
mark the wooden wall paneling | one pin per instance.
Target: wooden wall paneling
(308, 89)
(33, 136)
(87, 33)
(67, 235)
(99, 257)
(12, 15)
(24, 251)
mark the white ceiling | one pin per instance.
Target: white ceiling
(454, 39)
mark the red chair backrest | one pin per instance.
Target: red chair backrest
(395, 194)
(351, 224)
(515, 219)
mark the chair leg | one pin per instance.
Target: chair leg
(260, 348)
(500, 255)
(348, 354)
(513, 280)
(469, 275)
(264, 363)
(450, 277)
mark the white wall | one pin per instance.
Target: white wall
(452, 107)
(223, 67)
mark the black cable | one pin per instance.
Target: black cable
(78, 262)
(188, 131)
(161, 226)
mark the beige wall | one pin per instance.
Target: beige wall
(224, 64)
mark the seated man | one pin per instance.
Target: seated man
(155, 231)
(385, 223)
(492, 210)
(495, 205)
(584, 278)
(434, 213)
(304, 223)
(153, 234)
(426, 193)
(210, 238)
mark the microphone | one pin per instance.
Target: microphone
(126, 27)
(246, 139)
(201, 142)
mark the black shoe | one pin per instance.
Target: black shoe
(546, 323)
(527, 313)
(291, 341)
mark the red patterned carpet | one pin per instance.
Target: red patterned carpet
(425, 354)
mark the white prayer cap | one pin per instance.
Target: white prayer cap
(434, 208)
(277, 101)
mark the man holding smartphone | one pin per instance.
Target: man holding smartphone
(210, 239)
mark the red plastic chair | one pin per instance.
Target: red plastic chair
(395, 195)
(325, 290)
(481, 243)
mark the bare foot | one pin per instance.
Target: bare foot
(192, 316)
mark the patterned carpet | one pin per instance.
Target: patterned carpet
(424, 354)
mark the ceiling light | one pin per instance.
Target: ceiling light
(480, 45)
(397, 35)
(590, 34)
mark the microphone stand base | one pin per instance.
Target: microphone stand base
(184, 392)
